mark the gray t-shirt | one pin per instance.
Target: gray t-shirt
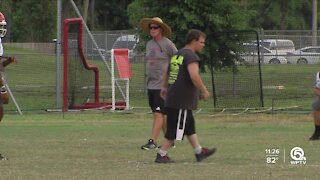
(182, 94)
(158, 54)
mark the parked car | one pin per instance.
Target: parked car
(278, 46)
(126, 41)
(250, 55)
(306, 55)
(129, 41)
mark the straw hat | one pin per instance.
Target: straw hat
(145, 22)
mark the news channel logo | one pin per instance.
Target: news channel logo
(297, 156)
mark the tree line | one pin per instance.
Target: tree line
(36, 21)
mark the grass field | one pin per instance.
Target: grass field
(96, 145)
(106, 145)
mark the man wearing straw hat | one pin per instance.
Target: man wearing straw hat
(158, 52)
(180, 89)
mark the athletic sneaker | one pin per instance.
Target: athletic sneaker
(3, 158)
(315, 136)
(205, 152)
(163, 159)
(150, 145)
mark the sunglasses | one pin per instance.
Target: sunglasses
(154, 27)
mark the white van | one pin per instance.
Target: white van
(278, 46)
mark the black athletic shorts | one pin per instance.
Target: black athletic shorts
(316, 104)
(156, 103)
(173, 116)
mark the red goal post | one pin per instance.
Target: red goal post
(80, 79)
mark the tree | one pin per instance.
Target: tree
(85, 9)
(111, 14)
(210, 16)
(34, 21)
(6, 9)
(279, 14)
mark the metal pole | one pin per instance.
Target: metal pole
(113, 81)
(96, 45)
(10, 93)
(314, 22)
(58, 55)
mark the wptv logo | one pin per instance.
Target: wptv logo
(297, 156)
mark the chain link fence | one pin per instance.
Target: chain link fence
(33, 79)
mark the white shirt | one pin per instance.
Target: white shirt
(1, 48)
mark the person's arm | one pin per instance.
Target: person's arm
(164, 86)
(7, 60)
(316, 91)
(193, 69)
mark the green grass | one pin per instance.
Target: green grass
(95, 145)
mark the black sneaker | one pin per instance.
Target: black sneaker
(150, 145)
(315, 136)
(163, 159)
(3, 158)
(205, 152)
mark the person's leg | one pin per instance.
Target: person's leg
(158, 121)
(164, 124)
(316, 117)
(193, 140)
(162, 155)
(1, 113)
(157, 106)
(166, 146)
(164, 128)
(172, 116)
(316, 120)
(190, 131)
(1, 116)
(200, 152)
(159, 115)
